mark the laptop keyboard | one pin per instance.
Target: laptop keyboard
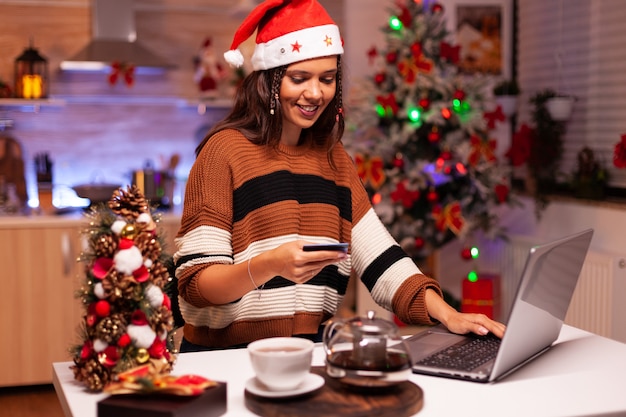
(465, 355)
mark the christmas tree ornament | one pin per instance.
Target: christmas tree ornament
(128, 320)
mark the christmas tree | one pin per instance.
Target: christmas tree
(420, 134)
(128, 320)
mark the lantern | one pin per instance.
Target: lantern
(31, 75)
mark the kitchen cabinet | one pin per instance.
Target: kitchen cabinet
(39, 314)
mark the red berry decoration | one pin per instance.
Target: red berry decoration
(392, 57)
(466, 253)
(424, 103)
(419, 242)
(379, 78)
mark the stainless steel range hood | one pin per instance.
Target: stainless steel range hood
(114, 40)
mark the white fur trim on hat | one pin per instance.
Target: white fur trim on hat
(314, 42)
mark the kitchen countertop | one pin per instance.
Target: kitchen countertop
(71, 219)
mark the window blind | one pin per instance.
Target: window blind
(576, 47)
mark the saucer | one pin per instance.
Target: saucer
(310, 383)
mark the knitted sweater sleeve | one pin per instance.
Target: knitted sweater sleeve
(206, 223)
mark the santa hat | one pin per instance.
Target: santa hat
(288, 31)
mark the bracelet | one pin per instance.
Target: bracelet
(252, 279)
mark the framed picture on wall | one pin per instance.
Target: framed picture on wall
(484, 31)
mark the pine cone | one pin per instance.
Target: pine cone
(149, 246)
(92, 373)
(129, 203)
(162, 320)
(104, 246)
(111, 328)
(160, 275)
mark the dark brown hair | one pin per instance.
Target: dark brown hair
(256, 97)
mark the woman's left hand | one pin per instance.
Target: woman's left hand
(462, 323)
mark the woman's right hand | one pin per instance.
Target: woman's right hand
(293, 263)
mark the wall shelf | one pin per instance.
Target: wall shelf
(28, 105)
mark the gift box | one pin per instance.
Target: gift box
(482, 295)
(211, 403)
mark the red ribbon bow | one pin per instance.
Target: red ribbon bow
(370, 170)
(449, 217)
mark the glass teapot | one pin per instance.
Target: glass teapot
(366, 352)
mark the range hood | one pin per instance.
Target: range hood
(114, 40)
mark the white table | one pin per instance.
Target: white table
(583, 374)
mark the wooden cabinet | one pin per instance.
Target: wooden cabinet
(39, 314)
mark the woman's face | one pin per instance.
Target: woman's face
(306, 89)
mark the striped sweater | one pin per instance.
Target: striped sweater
(243, 199)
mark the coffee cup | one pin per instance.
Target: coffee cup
(281, 363)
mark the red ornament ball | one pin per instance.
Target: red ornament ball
(459, 94)
(419, 242)
(466, 253)
(434, 136)
(398, 161)
(124, 340)
(103, 308)
(392, 57)
(424, 103)
(379, 78)
(436, 8)
(432, 196)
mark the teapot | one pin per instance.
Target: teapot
(366, 352)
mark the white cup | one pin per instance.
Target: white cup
(281, 363)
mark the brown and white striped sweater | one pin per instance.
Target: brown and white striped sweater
(243, 199)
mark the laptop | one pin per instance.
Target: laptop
(537, 313)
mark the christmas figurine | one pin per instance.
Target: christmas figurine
(209, 72)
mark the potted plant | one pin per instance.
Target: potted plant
(560, 107)
(506, 93)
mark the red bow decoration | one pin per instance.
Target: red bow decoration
(481, 149)
(405, 17)
(370, 170)
(449, 217)
(408, 197)
(410, 67)
(619, 155)
(124, 70)
(449, 52)
(493, 116)
(389, 103)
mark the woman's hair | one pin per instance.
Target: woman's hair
(257, 113)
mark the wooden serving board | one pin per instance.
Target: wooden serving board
(337, 400)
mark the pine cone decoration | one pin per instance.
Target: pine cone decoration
(105, 246)
(92, 373)
(111, 328)
(149, 246)
(162, 320)
(160, 274)
(129, 203)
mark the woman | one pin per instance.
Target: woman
(273, 177)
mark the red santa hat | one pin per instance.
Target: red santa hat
(288, 31)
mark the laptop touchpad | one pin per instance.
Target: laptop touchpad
(430, 342)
